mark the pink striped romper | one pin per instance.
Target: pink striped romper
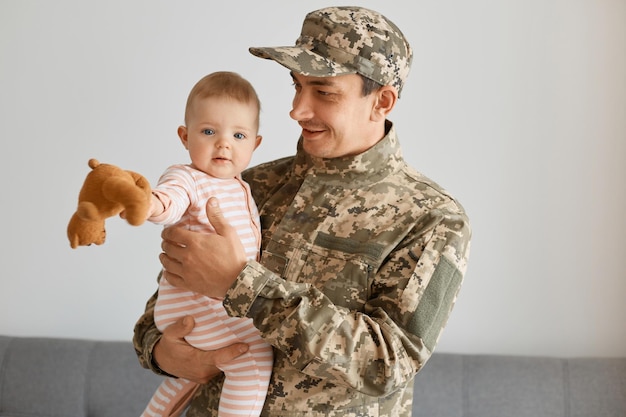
(184, 192)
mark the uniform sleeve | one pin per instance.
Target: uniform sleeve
(145, 336)
(380, 347)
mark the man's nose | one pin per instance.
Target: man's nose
(301, 108)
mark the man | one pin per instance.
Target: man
(362, 256)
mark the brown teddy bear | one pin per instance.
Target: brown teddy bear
(107, 191)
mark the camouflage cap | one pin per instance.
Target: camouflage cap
(346, 40)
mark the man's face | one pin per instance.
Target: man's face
(336, 119)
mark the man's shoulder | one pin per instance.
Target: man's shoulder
(415, 179)
(266, 170)
(429, 192)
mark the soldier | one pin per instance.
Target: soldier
(362, 256)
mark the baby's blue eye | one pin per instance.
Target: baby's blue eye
(208, 132)
(240, 136)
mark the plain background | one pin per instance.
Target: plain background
(517, 107)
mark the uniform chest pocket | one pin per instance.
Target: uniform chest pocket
(341, 268)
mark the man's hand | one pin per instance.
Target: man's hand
(204, 263)
(175, 356)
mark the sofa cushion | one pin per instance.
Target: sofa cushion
(597, 387)
(65, 377)
(114, 369)
(457, 385)
(47, 377)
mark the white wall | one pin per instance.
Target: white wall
(517, 107)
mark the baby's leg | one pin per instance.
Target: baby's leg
(246, 380)
(173, 395)
(171, 398)
(247, 377)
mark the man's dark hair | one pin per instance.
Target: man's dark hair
(369, 86)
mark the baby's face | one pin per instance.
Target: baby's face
(221, 135)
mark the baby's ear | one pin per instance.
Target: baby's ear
(182, 134)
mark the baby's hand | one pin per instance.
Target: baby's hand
(155, 208)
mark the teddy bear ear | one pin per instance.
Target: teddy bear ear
(82, 232)
(93, 162)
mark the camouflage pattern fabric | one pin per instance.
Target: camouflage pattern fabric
(347, 40)
(362, 260)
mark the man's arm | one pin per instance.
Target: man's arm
(378, 348)
(375, 349)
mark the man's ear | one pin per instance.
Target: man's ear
(182, 134)
(385, 101)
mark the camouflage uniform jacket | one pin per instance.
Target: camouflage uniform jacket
(362, 259)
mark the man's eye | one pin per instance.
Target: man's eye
(208, 132)
(239, 136)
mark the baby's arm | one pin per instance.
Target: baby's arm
(160, 203)
(172, 195)
(157, 206)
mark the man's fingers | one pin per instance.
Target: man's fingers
(216, 217)
(176, 236)
(171, 272)
(171, 258)
(229, 353)
(180, 328)
(174, 355)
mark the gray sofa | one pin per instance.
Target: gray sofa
(45, 377)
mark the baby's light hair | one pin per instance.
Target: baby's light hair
(224, 84)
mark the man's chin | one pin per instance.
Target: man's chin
(316, 148)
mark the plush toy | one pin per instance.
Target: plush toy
(107, 191)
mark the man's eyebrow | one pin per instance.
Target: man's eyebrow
(322, 81)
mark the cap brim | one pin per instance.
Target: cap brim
(302, 61)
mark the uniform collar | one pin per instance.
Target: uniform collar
(354, 171)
